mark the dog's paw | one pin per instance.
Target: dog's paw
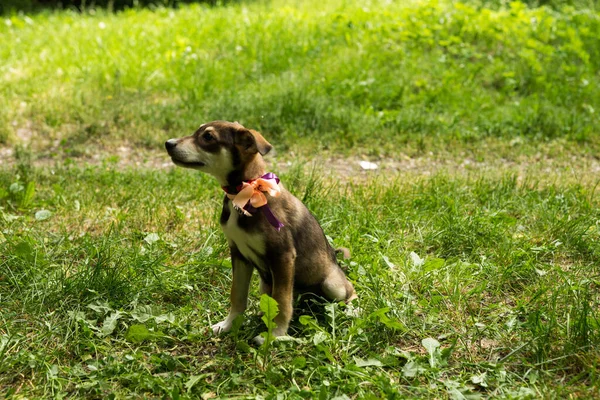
(258, 340)
(221, 327)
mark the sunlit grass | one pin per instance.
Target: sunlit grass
(503, 275)
(340, 75)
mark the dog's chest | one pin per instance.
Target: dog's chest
(251, 245)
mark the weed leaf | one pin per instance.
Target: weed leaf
(16, 188)
(151, 238)
(110, 323)
(433, 263)
(390, 264)
(411, 369)
(341, 397)
(309, 321)
(193, 380)
(42, 215)
(299, 362)
(381, 316)
(142, 313)
(137, 333)
(100, 307)
(169, 317)
(455, 394)
(270, 309)
(28, 196)
(431, 345)
(371, 362)
(319, 338)
(480, 379)
(415, 259)
(24, 251)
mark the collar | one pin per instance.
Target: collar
(233, 190)
(249, 196)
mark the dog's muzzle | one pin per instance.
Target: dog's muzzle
(170, 144)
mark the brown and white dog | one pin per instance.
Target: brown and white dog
(295, 258)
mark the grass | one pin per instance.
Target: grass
(350, 77)
(468, 287)
(476, 254)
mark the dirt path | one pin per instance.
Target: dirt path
(564, 169)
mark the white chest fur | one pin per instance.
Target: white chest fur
(252, 246)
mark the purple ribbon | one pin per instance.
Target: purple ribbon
(270, 175)
(266, 210)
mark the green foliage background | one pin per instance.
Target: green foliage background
(381, 74)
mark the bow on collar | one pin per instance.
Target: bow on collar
(251, 196)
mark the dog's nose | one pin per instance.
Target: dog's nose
(170, 144)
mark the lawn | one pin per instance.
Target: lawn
(475, 244)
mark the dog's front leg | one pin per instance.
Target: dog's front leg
(242, 275)
(282, 290)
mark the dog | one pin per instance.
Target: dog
(267, 228)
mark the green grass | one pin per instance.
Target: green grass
(339, 75)
(503, 275)
(476, 255)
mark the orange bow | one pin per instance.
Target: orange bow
(253, 192)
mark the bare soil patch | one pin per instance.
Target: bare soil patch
(573, 168)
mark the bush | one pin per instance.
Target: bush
(7, 6)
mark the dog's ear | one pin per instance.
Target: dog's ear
(252, 141)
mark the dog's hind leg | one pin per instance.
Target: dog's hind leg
(282, 289)
(336, 286)
(283, 292)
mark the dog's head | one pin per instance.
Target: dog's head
(226, 150)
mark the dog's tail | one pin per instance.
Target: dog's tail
(344, 252)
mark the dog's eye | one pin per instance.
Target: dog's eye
(207, 137)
